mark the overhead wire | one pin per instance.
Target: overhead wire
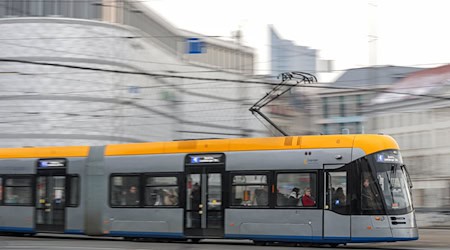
(184, 78)
(208, 78)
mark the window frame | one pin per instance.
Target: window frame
(317, 189)
(169, 174)
(269, 178)
(347, 208)
(142, 185)
(32, 187)
(139, 188)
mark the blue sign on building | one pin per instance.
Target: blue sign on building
(195, 46)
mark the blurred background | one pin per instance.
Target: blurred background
(95, 72)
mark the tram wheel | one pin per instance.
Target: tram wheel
(260, 243)
(334, 245)
(305, 244)
(195, 241)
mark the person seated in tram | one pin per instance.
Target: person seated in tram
(307, 199)
(132, 196)
(261, 197)
(339, 197)
(369, 195)
(294, 197)
(170, 198)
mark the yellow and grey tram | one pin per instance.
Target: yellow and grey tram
(331, 189)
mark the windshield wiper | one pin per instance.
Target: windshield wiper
(391, 188)
(408, 178)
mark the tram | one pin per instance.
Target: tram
(324, 189)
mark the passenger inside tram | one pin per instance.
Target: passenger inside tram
(132, 197)
(368, 195)
(307, 199)
(261, 197)
(339, 198)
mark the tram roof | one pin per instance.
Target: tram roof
(368, 143)
(44, 152)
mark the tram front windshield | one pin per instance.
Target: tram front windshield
(393, 180)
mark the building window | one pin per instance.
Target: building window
(359, 105)
(125, 191)
(342, 106)
(359, 128)
(296, 190)
(18, 191)
(250, 190)
(341, 128)
(325, 129)
(325, 107)
(161, 191)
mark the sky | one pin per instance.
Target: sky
(407, 33)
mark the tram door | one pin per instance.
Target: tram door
(204, 211)
(336, 206)
(50, 196)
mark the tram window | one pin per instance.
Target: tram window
(250, 190)
(296, 189)
(338, 201)
(125, 191)
(370, 198)
(18, 191)
(161, 191)
(74, 191)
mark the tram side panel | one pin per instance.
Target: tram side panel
(17, 204)
(293, 223)
(75, 205)
(143, 215)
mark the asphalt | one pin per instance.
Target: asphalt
(428, 239)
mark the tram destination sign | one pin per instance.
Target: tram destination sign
(205, 159)
(389, 157)
(52, 163)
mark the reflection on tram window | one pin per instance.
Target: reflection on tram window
(394, 187)
(125, 191)
(161, 191)
(18, 191)
(250, 190)
(294, 189)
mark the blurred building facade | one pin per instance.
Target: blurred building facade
(215, 53)
(286, 56)
(337, 107)
(340, 105)
(293, 112)
(77, 104)
(421, 126)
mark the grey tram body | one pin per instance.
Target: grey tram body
(95, 216)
